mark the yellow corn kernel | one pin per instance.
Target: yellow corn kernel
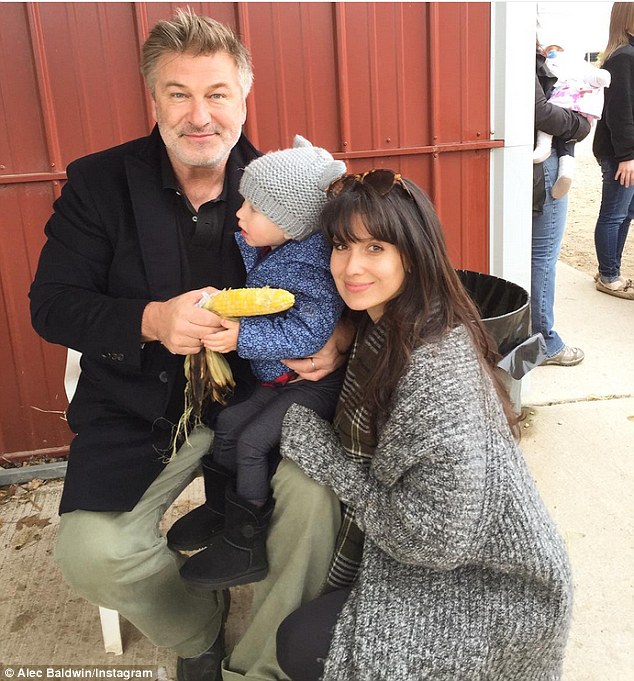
(247, 302)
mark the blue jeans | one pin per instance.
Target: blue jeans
(613, 223)
(548, 232)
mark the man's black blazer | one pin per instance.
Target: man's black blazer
(113, 245)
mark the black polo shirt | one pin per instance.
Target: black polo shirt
(201, 231)
(211, 258)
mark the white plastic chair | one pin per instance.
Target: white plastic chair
(110, 628)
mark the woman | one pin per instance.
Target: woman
(549, 213)
(614, 150)
(463, 574)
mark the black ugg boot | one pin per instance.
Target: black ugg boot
(239, 555)
(196, 529)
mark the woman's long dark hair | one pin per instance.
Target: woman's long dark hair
(433, 300)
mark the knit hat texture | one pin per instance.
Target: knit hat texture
(289, 186)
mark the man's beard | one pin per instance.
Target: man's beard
(214, 158)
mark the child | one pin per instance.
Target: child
(580, 88)
(284, 193)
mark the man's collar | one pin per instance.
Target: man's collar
(168, 177)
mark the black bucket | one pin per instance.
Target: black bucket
(505, 311)
(503, 306)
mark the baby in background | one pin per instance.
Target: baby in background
(579, 87)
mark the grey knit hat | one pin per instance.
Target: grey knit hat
(289, 186)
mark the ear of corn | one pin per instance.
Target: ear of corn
(219, 377)
(248, 302)
(207, 372)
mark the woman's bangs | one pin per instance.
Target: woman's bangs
(337, 219)
(380, 226)
(341, 229)
(341, 217)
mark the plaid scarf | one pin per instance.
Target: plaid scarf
(352, 424)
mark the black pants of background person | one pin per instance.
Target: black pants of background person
(303, 638)
(244, 434)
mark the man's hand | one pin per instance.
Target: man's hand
(225, 339)
(178, 323)
(625, 173)
(329, 358)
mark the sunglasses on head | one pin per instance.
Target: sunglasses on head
(381, 180)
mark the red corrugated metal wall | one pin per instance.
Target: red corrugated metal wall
(400, 85)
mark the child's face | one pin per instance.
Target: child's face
(257, 229)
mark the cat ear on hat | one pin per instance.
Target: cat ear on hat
(333, 171)
(299, 141)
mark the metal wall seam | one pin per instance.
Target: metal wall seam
(80, 82)
(44, 82)
(106, 33)
(434, 83)
(308, 88)
(373, 80)
(32, 177)
(464, 234)
(343, 83)
(401, 87)
(142, 29)
(243, 28)
(280, 81)
(434, 149)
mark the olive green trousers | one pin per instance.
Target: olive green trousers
(121, 561)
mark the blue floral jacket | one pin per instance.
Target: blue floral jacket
(303, 268)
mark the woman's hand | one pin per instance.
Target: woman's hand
(329, 358)
(225, 339)
(625, 173)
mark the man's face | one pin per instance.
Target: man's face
(199, 108)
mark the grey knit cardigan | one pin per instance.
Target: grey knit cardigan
(464, 576)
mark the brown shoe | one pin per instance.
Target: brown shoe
(619, 288)
(568, 357)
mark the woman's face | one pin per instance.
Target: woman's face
(367, 272)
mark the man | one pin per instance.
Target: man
(138, 232)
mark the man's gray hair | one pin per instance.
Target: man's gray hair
(188, 33)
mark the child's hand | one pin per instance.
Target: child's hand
(225, 339)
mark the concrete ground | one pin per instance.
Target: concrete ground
(579, 442)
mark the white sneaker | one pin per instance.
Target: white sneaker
(568, 357)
